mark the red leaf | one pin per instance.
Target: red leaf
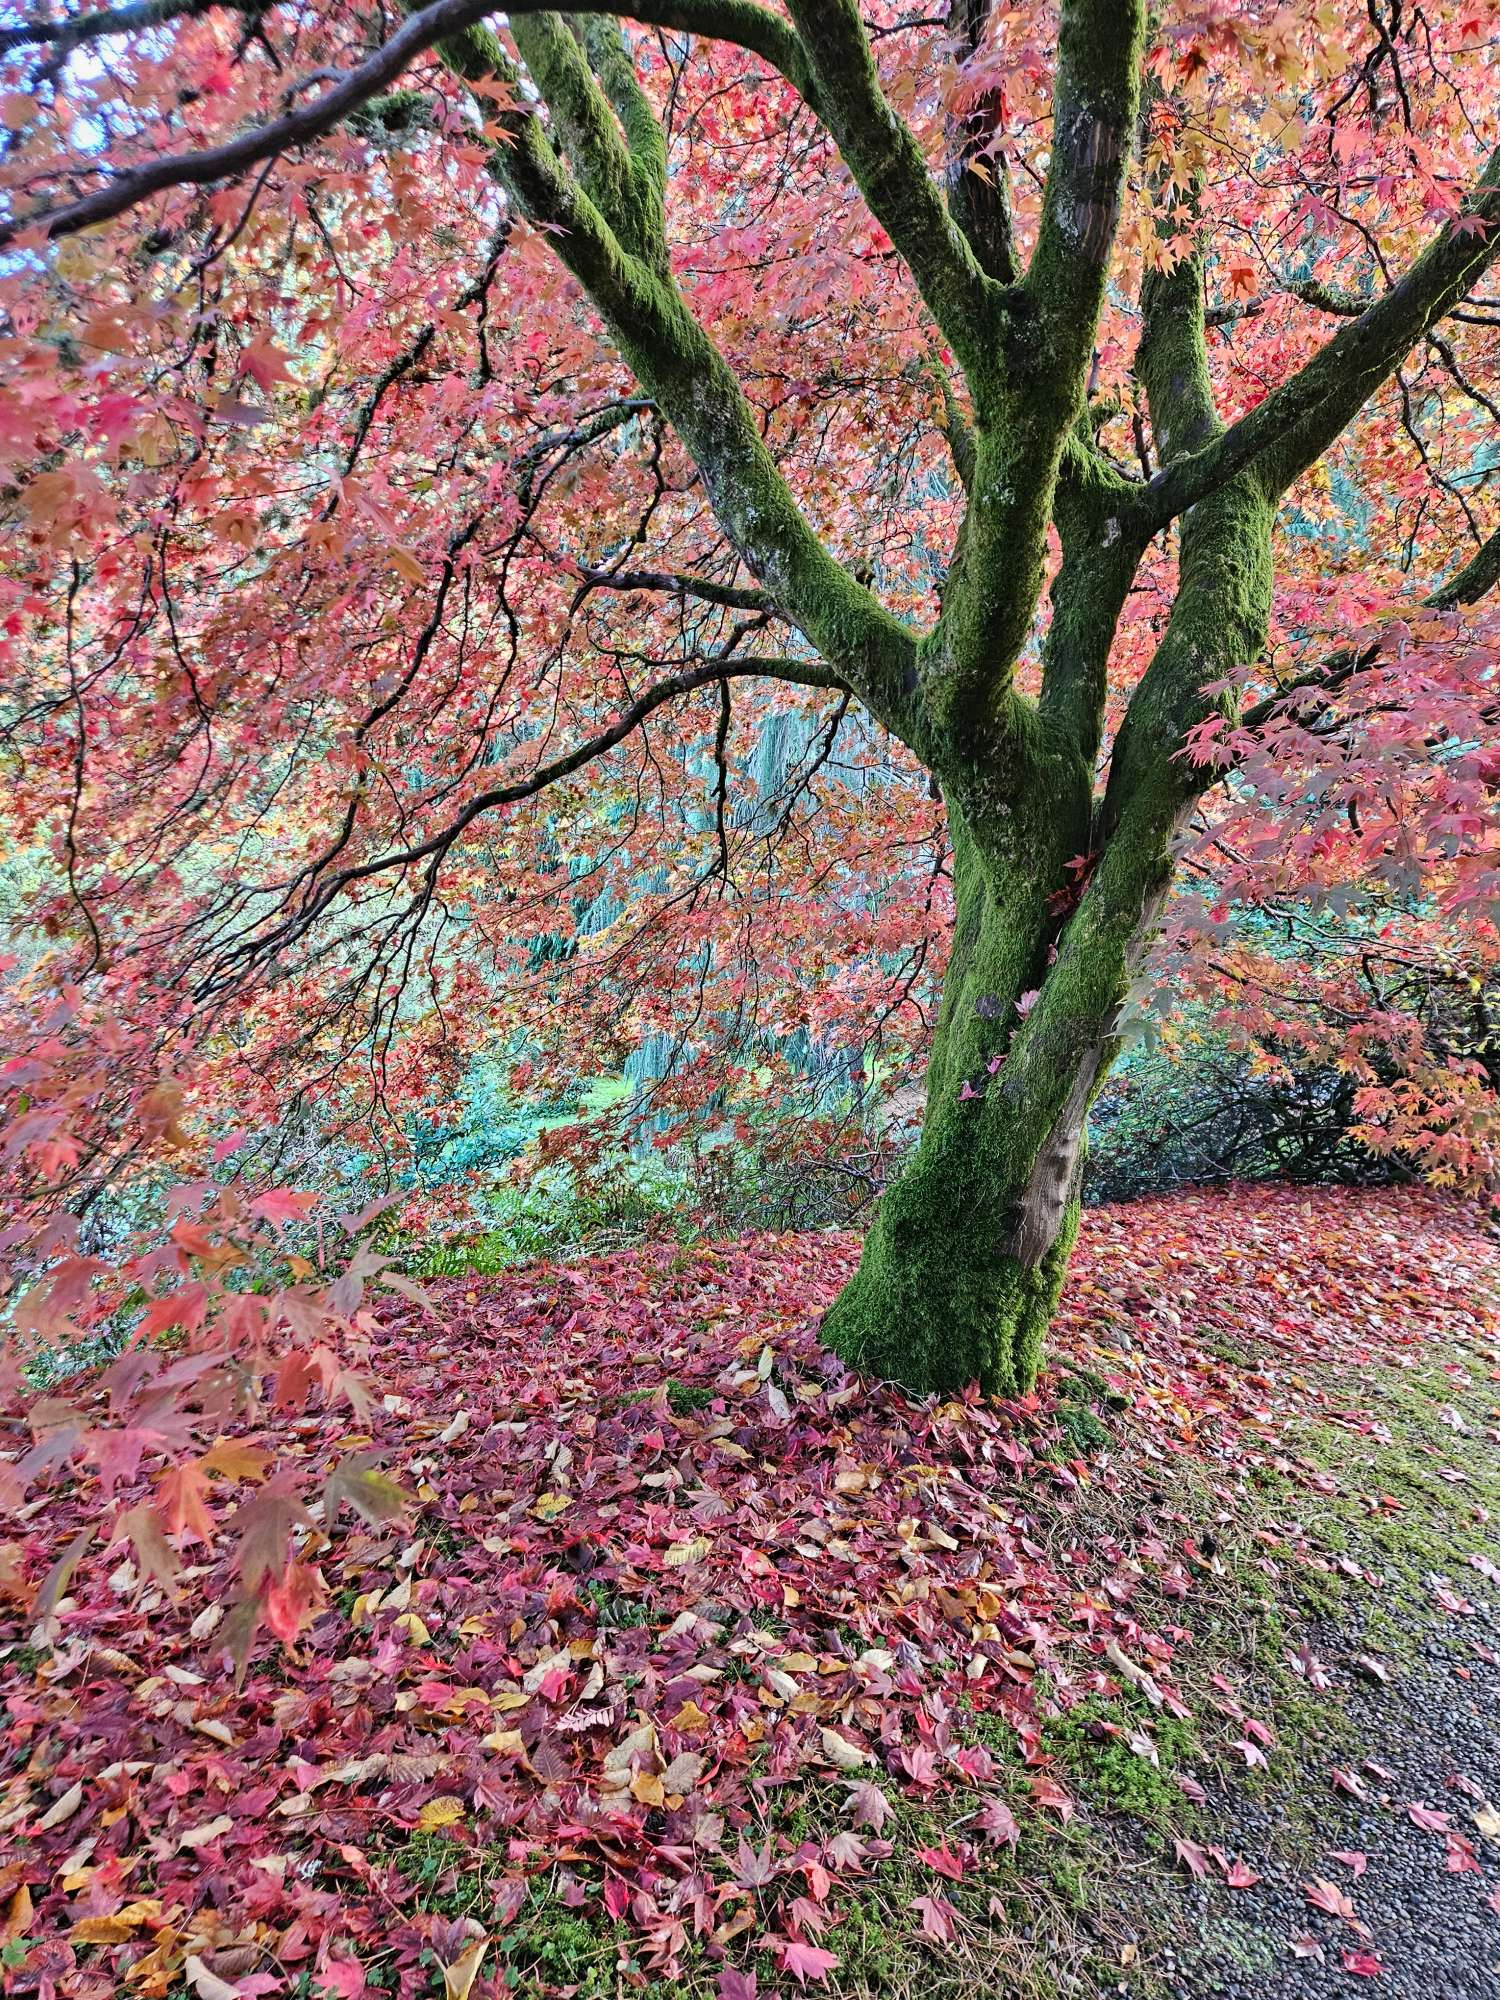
(1364, 1964)
(938, 1917)
(943, 1861)
(804, 1961)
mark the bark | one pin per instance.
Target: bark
(963, 1263)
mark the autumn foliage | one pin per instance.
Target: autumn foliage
(575, 548)
(667, 1567)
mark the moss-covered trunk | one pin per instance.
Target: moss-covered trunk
(962, 1266)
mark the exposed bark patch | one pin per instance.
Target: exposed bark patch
(1055, 1173)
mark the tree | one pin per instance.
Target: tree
(1028, 265)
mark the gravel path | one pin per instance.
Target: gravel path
(1433, 1732)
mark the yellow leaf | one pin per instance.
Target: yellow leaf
(648, 1789)
(116, 1929)
(689, 1719)
(680, 1554)
(547, 1506)
(459, 1976)
(18, 1913)
(62, 1809)
(405, 564)
(445, 1811)
(841, 1753)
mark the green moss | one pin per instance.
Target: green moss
(450, 1877)
(684, 1397)
(612, 1607)
(1090, 1742)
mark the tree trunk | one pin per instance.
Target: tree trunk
(963, 1263)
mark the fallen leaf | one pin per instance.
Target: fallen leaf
(461, 1974)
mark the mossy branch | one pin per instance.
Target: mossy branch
(1292, 428)
(888, 167)
(679, 367)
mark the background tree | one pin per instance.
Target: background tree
(879, 377)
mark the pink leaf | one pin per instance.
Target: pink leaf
(997, 1823)
(1191, 1855)
(804, 1961)
(938, 1917)
(871, 1806)
(1330, 1897)
(1355, 1861)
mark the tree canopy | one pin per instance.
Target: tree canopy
(747, 497)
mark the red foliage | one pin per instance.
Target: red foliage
(666, 1562)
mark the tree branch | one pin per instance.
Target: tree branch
(265, 944)
(72, 31)
(1284, 435)
(887, 164)
(217, 163)
(1094, 101)
(978, 180)
(1478, 576)
(686, 376)
(744, 21)
(735, 596)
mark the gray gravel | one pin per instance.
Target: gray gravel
(1437, 1734)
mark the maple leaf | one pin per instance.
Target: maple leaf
(1328, 1896)
(356, 1483)
(1364, 1964)
(943, 1861)
(266, 1525)
(183, 1492)
(288, 1601)
(804, 1961)
(1428, 1818)
(144, 1526)
(1191, 1855)
(754, 1869)
(870, 1805)
(735, 1985)
(997, 1822)
(938, 1917)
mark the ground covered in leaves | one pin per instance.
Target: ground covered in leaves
(699, 1667)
